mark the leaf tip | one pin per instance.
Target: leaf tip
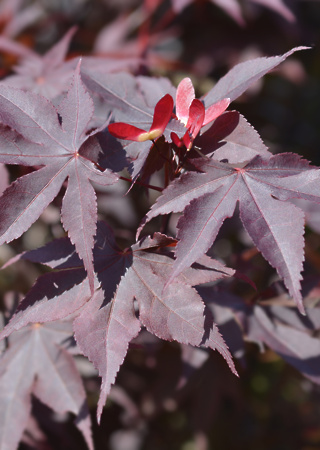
(301, 309)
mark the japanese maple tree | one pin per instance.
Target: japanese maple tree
(75, 133)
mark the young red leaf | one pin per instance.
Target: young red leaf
(125, 131)
(162, 115)
(131, 101)
(184, 97)
(216, 110)
(191, 112)
(196, 117)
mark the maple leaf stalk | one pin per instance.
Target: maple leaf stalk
(149, 186)
(141, 183)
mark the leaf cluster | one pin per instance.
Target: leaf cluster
(76, 131)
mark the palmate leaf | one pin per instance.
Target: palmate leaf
(296, 345)
(48, 75)
(131, 100)
(272, 322)
(109, 320)
(55, 139)
(260, 187)
(231, 139)
(104, 328)
(37, 363)
(241, 76)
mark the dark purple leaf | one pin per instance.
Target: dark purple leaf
(36, 363)
(243, 75)
(48, 75)
(108, 320)
(231, 7)
(59, 148)
(297, 347)
(231, 139)
(103, 335)
(276, 228)
(54, 296)
(278, 6)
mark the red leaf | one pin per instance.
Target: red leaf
(196, 117)
(132, 100)
(48, 75)
(184, 97)
(216, 110)
(162, 114)
(123, 130)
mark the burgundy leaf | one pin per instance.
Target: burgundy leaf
(292, 336)
(243, 75)
(18, 18)
(276, 228)
(103, 334)
(298, 347)
(231, 138)
(48, 75)
(49, 373)
(108, 320)
(54, 296)
(175, 316)
(60, 145)
(279, 6)
(176, 313)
